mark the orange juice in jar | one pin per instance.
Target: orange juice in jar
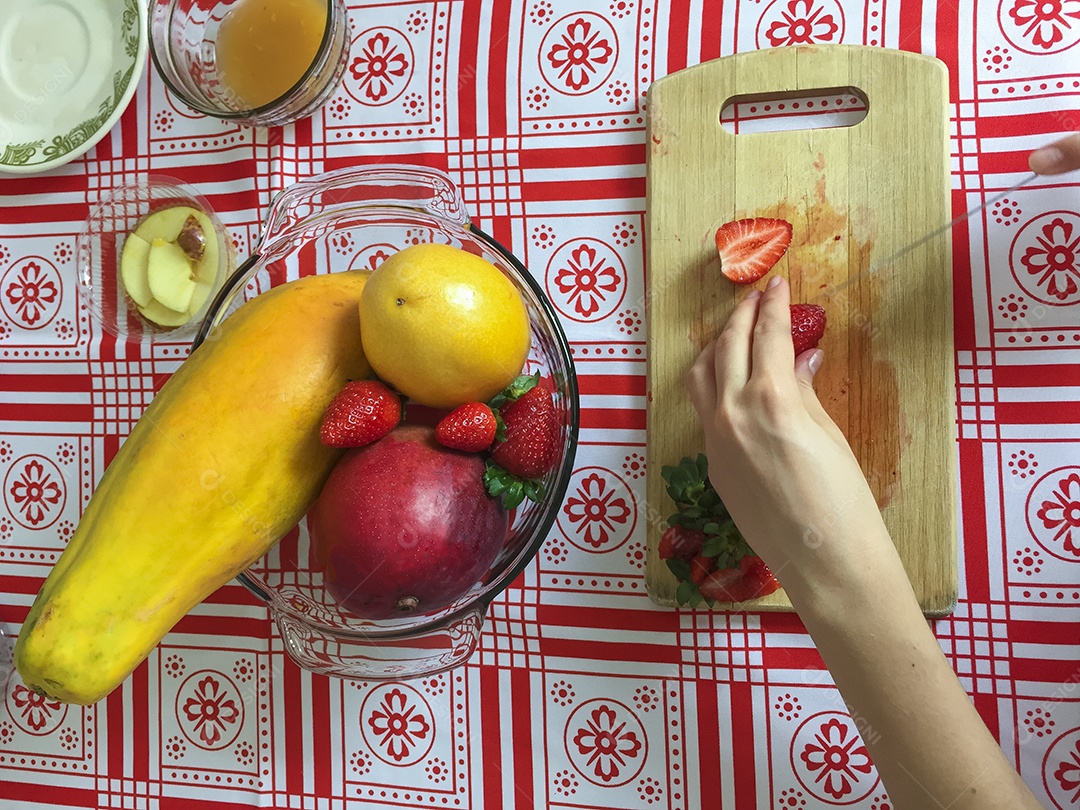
(264, 47)
(255, 62)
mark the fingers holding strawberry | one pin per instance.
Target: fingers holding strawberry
(807, 326)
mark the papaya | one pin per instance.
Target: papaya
(223, 463)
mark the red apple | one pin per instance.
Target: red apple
(404, 526)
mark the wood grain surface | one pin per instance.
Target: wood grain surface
(855, 196)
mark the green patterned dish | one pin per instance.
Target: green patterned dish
(68, 68)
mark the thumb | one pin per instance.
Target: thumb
(806, 366)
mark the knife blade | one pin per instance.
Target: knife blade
(948, 226)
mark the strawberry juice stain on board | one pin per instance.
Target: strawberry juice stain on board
(857, 386)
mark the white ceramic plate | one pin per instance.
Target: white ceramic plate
(68, 68)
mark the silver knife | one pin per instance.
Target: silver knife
(948, 226)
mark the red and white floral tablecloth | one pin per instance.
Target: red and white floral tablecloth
(583, 694)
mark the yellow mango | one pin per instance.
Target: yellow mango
(225, 461)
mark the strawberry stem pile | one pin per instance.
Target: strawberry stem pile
(518, 428)
(702, 546)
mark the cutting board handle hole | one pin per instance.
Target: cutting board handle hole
(827, 108)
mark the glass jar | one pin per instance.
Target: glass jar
(184, 38)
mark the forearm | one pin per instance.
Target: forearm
(929, 744)
(795, 490)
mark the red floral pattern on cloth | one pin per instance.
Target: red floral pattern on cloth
(380, 67)
(586, 279)
(1067, 773)
(831, 760)
(1047, 25)
(34, 713)
(398, 724)
(1048, 252)
(1055, 499)
(801, 22)
(579, 53)
(599, 509)
(210, 710)
(1061, 770)
(372, 256)
(34, 492)
(31, 292)
(606, 742)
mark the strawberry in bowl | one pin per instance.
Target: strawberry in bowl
(529, 448)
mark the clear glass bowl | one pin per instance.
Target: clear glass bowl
(350, 219)
(99, 245)
(183, 46)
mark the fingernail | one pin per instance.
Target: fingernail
(814, 363)
(1046, 160)
(753, 295)
(773, 282)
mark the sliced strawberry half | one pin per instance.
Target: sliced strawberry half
(752, 579)
(681, 543)
(749, 248)
(700, 568)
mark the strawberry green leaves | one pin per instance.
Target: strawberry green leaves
(703, 536)
(699, 507)
(513, 490)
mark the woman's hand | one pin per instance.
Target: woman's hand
(1057, 158)
(795, 490)
(782, 467)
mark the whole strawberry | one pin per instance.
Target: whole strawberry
(472, 427)
(807, 326)
(362, 412)
(703, 548)
(529, 445)
(532, 431)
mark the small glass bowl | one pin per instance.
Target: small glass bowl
(352, 219)
(101, 241)
(183, 37)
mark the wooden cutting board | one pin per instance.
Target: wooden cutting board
(855, 196)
